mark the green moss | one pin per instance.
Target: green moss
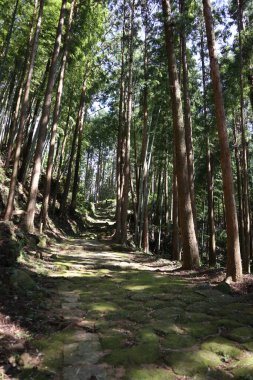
(52, 348)
(176, 341)
(199, 307)
(192, 363)
(222, 347)
(167, 312)
(228, 323)
(103, 307)
(248, 346)
(148, 336)
(149, 374)
(244, 369)
(200, 330)
(143, 353)
(242, 334)
(139, 316)
(167, 327)
(112, 340)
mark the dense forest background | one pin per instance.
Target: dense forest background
(149, 103)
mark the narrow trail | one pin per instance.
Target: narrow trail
(127, 317)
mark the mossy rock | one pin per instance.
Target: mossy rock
(42, 241)
(193, 363)
(241, 334)
(148, 336)
(141, 297)
(167, 327)
(139, 316)
(176, 341)
(144, 353)
(197, 317)
(248, 345)
(21, 281)
(167, 312)
(228, 323)
(9, 246)
(222, 347)
(200, 330)
(52, 348)
(117, 315)
(225, 288)
(149, 374)
(199, 307)
(244, 369)
(112, 340)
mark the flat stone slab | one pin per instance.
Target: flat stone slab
(85, 372)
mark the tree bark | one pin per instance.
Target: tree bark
(31, 206)
(80, 122)
(190, 244)
(234, 268)
(187, 117)
(127, 131)
(8, 40)
(23, 115)
(49, 170)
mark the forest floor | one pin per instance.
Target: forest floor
(100, 313)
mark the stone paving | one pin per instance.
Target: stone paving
(128, 318)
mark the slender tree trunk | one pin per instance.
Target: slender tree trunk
(78, 125)
(80, 122)
(58, 175)
(31, 206)
(210, 178)
(239, 188)
(27, 151)
(187, 117)
(121, 123)
(139, 231)
(14, 122)
(23, 115)
(49, 171)
(176, 250)
(126, 167)
(234, 268)
(211, 223)
(190, 244)
(8, 40)
(245, 189)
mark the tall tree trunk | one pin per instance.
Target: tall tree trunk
(245, 189)
(31, 206)
(27, 151)
(49, 171)
(211, 223)
(190, 244)
(121, 123)
(63, 146)
(23, 115)
(239, 188)
(234, 267)
(176, 246)
(80, 121)
(139, 230)
(8, 40)
(187, 115)
(210, 178)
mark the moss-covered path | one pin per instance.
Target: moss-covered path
(127, 317)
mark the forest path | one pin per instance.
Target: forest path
(128, 316)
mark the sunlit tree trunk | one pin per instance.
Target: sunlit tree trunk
(49, 171)
(23, 115)
(189, 239)
(31, 205)
(234, 267)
